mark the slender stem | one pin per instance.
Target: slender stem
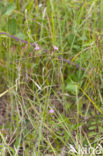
(34, 44)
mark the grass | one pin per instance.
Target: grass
(47, 105)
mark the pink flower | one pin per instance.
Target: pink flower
(37, 47)
(51, 111)
(55, 48)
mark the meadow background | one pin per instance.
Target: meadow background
(51, 95)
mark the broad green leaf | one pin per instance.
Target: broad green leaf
(21, 35)
(9, 9)
(12, 26)
(71, 88)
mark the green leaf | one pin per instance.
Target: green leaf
(17, 142)
(77, 47)
(71, 88)
(83, 38)
(12, 26)
(1, 7)
(92, 128)
(9, 9)
(21, 35)
(92, 134)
